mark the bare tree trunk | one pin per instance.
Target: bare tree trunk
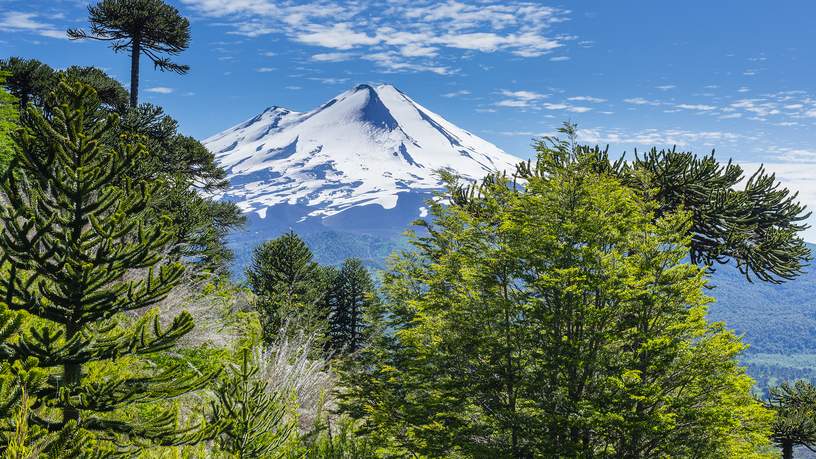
(787, 449)
(135, 54)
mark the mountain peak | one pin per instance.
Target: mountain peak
(368, 145)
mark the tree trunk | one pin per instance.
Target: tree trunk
(72, 374)
(135, 54)
(787, 449)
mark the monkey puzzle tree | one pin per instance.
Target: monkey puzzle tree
(149, 27)
(352, 293)
(256, 424)
(755, 223)
(795, 423)
(287, 281)
(27, 79)
(77, 252)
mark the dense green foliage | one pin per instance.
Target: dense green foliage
(529, 322)
(183, 163)
(287, 282)
(71, 245)
(254, 417)
(756, 225)
(139, 27)
(561, 311)
(795, 423)
(349, 298)
(28, 80)
(8, 124)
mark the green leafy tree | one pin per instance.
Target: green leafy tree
(350, 296)
(254, 415)
(756, 223)
(190, 171)
(795, 422)
(287, 282)
(149, 27)
(555, 318)
(78, 254)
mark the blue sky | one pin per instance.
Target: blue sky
(737, 76)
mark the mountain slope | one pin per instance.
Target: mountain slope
(366, 146)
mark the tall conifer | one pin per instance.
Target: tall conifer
(353, 293)
(287, 282)
(149, 27)
(78, 254)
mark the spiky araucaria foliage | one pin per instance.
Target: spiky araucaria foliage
(288, 284)
(255, 415)
(149, 27)
(78, 252)
(756, 223)
(795, 423)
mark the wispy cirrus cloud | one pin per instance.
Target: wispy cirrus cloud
(519, 99)
(535, 101)
(642, 101)
(332, 57)
(18, 21)
(160, 90)
(398, 36)
(450, 95)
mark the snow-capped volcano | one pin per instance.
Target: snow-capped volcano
(369, 145)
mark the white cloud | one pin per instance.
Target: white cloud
(660, 138)
(697, 107)
(332, 57)
(519, 99)
(534, 100)
(559, 58)
(666, 87)
(641, 101)
(160, 90)
(337, 36)
(594, 100)
(17, 21)
(394, 62)
(265, 69)
(463, 92)
(329, 80)
(399, 36)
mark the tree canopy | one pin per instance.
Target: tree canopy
(140, 27)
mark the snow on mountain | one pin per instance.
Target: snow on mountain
(371, 145)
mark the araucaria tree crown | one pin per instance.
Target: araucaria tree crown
(77, 251)
(149, 27)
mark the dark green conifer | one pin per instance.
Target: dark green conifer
(795, 423)
(287, 283)
(28, 80)
(110, 92)
(78, 253)
(352, 293)
(149, 27)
